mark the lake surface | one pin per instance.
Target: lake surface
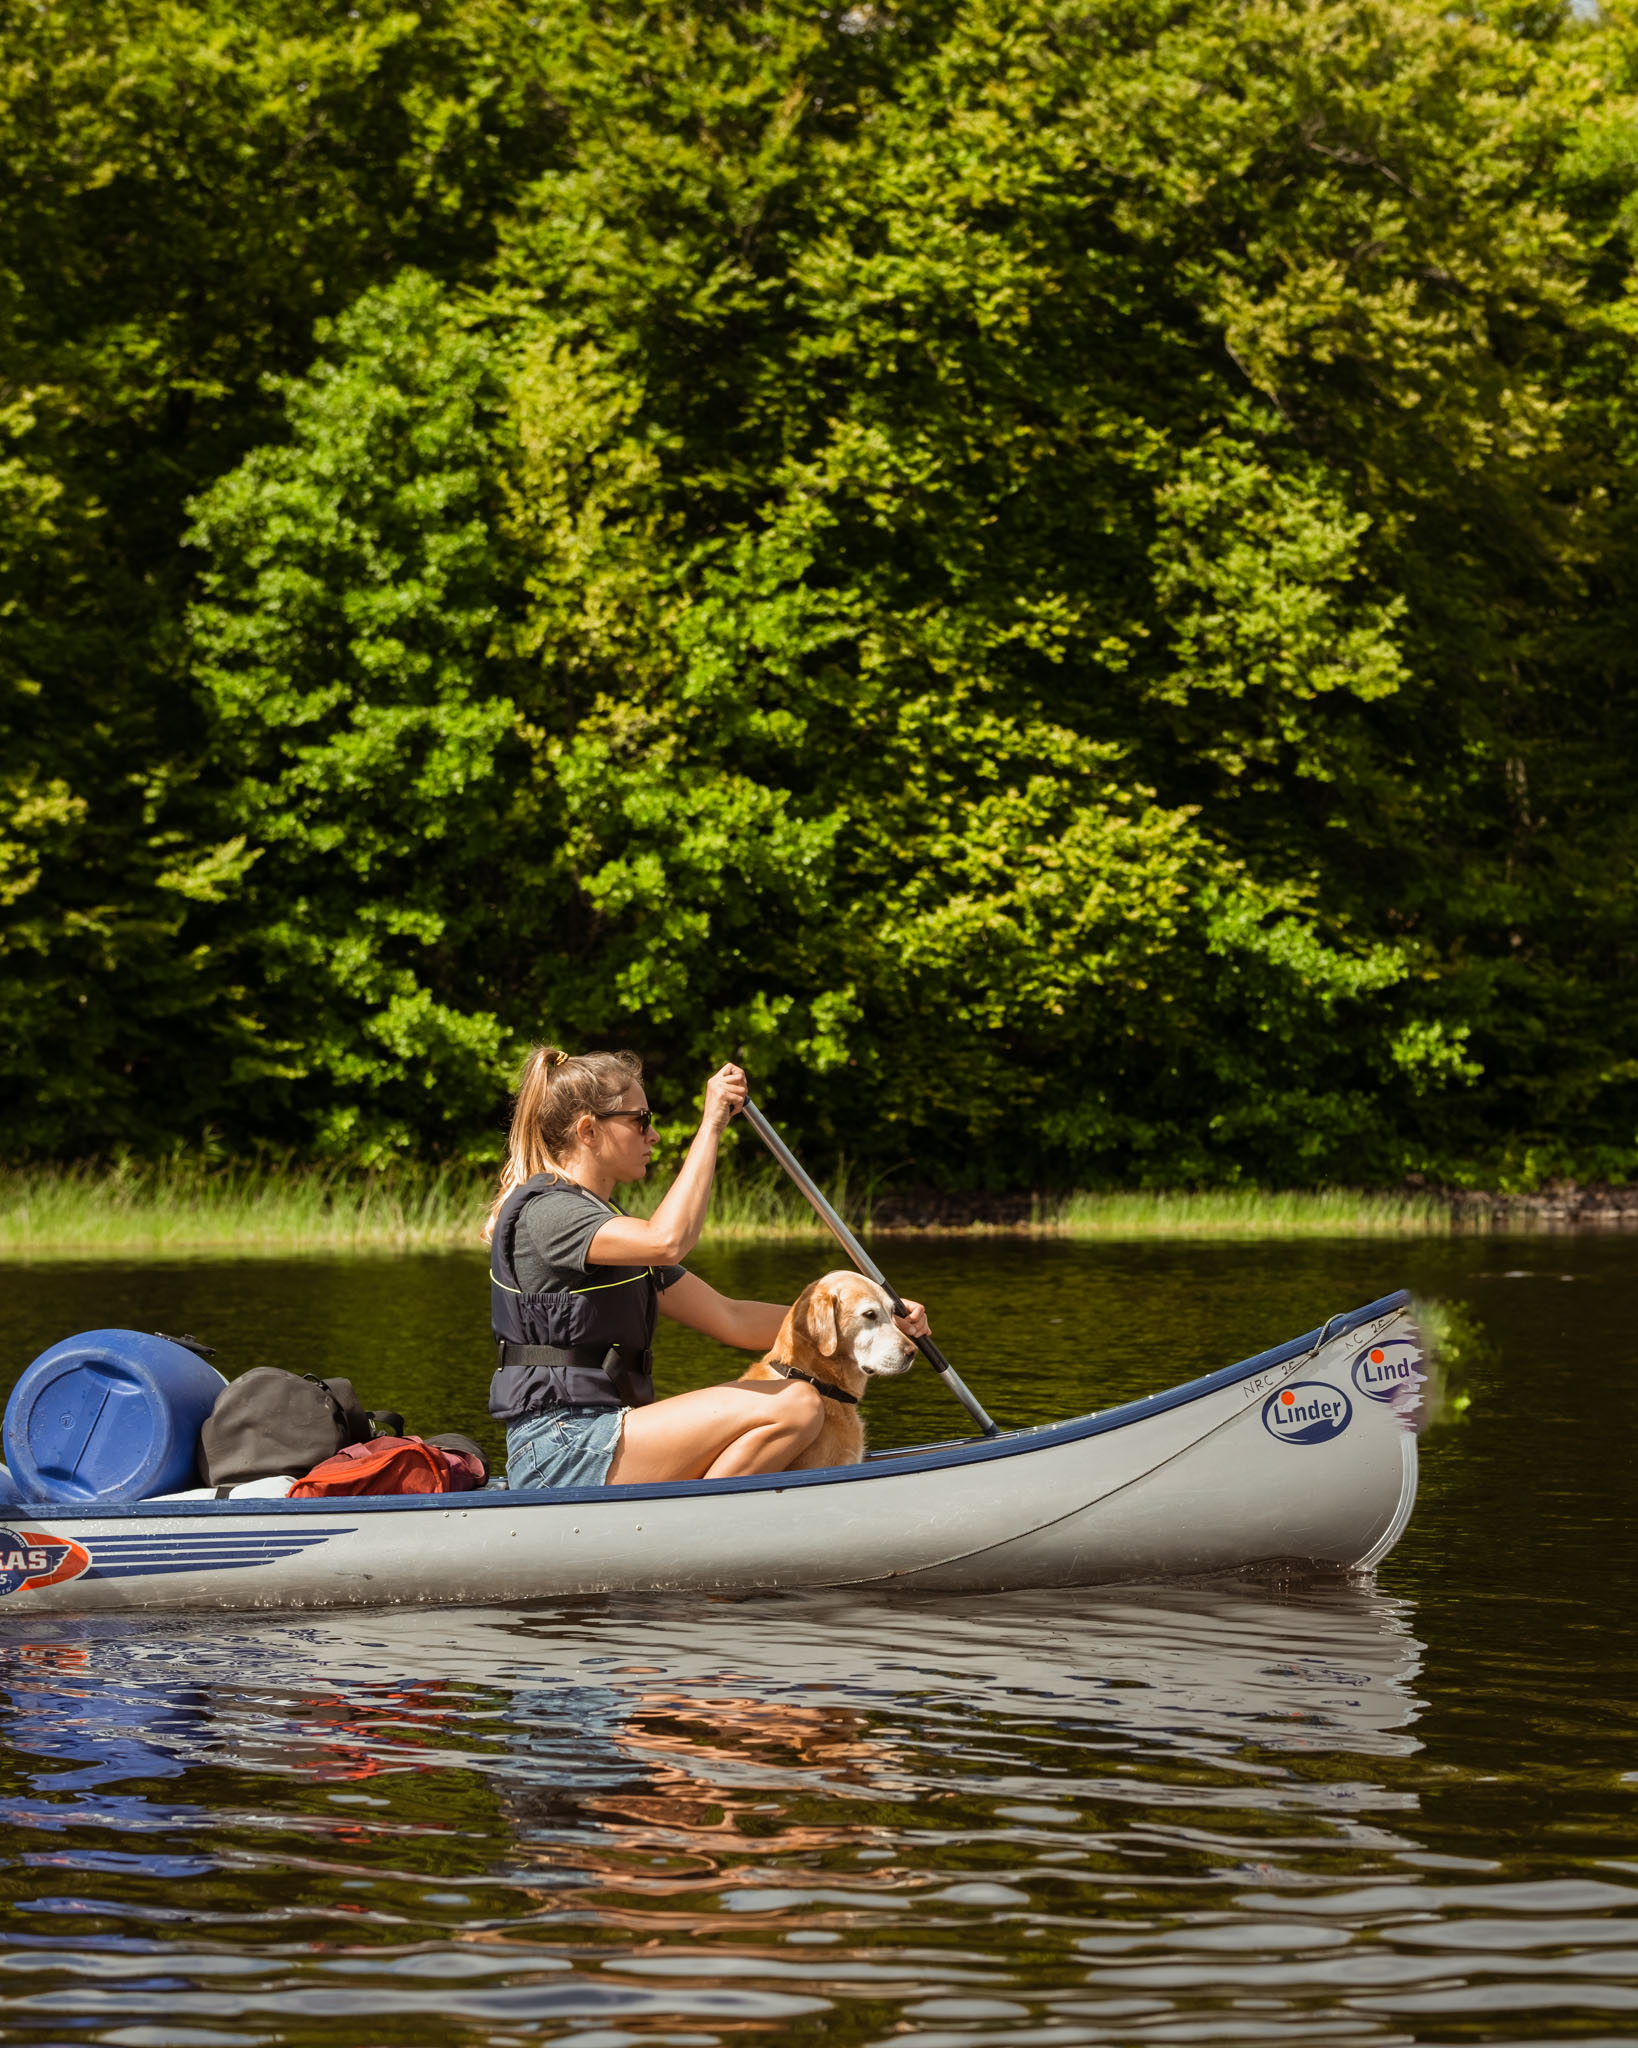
(1374, 1814)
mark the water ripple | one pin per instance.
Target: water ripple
(1262, 1814)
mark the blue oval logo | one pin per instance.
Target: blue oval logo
(1308, 1413)
(1382, 1369)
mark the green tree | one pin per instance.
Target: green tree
(348, 640)
(184, 189)
(1040, 397)
(1056, 573)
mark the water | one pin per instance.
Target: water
(1364, 1814)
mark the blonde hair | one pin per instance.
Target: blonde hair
(554, 1091)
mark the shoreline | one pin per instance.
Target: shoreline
(1567, 1207)
(187, 1209)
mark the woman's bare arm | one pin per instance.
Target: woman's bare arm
(747, 1325)
(671, 1233)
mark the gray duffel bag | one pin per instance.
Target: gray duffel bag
(268, 1421)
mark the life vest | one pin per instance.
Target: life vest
(590, 1347)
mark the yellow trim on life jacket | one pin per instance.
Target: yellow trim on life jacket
(603, 1286)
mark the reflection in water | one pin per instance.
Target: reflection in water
(905, 1817)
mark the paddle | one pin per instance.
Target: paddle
(862, 1259)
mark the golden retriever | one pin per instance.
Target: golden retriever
(840, 1334)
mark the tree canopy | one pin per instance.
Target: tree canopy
(1056, 575)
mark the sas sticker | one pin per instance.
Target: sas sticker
(1308, 1413)
(29, 1561)
(1383, 1369)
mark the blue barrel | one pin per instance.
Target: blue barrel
(111, 1415)
(11, 1494)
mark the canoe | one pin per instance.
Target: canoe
(1300, 1459)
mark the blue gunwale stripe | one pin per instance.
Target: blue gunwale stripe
(979, 1451)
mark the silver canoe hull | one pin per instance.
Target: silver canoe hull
(1302, 1458)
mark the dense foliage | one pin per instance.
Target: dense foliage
(1057, 573)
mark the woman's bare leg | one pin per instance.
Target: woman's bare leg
(718, 1432)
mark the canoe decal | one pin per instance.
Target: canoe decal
(1382, 1369)
(157, 1555)
(1308, 1413)
(30, 1560)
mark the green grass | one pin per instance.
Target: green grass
(191, 1206)
(188, 1205)
(760, 1204)
(1254, 1212)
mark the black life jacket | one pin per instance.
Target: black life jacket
(591, 1347)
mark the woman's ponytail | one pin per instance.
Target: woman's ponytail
(554, 1091)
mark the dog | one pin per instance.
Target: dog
(839, 1334)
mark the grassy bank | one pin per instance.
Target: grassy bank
(1252, 1212)
(187, 1206)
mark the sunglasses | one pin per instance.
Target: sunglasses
(643, 1118)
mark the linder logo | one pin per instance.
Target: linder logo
(1308, 1413)
(1381, 1370)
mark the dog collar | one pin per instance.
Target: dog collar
(831, 1393)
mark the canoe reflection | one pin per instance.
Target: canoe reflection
(730, 1815)
(595, 1694)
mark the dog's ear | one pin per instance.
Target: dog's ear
(825, 1320)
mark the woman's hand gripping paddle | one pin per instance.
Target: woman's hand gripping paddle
(862, 1259)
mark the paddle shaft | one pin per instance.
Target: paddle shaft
(862, 1259)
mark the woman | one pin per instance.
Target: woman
(576, 1285)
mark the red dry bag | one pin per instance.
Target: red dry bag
(388, 1464)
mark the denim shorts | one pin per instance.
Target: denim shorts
(563, 1447)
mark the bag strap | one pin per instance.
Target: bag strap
(347, 1409)
(205, 1351)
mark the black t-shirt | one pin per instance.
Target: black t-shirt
(554, 1233)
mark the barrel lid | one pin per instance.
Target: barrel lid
(98, 1416)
